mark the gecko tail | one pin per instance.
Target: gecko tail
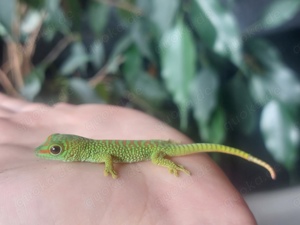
(185, 149)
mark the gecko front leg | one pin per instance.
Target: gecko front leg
(109, 168)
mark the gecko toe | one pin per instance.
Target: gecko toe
(111, 172)
(175, 170)
(181, 168)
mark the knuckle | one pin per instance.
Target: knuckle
(34, 107)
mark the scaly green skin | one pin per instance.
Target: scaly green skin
(72, 148)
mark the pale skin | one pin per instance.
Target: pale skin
(38, 191)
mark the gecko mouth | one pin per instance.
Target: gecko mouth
(41, 150)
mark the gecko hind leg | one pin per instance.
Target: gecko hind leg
(109, 168)
(157, 158)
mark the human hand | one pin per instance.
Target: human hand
(37, 191)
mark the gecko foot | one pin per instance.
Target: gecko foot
(112, 172)
(175, 169)
(157, 158)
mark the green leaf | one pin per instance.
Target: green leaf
(178, 56)
(163, 13)
(3, 31)
(98, 14)
(121, 46)
(214, 131)
(145, 6)
(31, 21)
(204, 98)
(55, 20)
(113, 65)
(242, 110)
(132, 65)
(97, 54)
(34, 3)
(82, 92)
(74, 13)
(119, 90)
(217, 130)
(33, 83)
(204, 90)
(150, 89)
(77, 59)
(280, 133)
(141, 83)
(274, 80)
(280, 83)
(263, 52)
(7, 14)
(217, 28)
(141, 36)
(280, 12)
(103, 91)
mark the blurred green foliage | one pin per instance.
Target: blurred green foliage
(181, 61)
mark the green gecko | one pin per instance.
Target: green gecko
(72, 148)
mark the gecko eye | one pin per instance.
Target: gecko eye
(55, 149)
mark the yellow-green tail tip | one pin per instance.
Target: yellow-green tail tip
(263, 164)
(272, 172)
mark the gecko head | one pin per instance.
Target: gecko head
(55, 147)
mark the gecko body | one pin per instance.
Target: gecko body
(73, 148)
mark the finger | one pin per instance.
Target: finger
(12, 104)
(10, 131)
(5, 113)
(35, 107)
(21, 133)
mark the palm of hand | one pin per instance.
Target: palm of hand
(52, 192)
